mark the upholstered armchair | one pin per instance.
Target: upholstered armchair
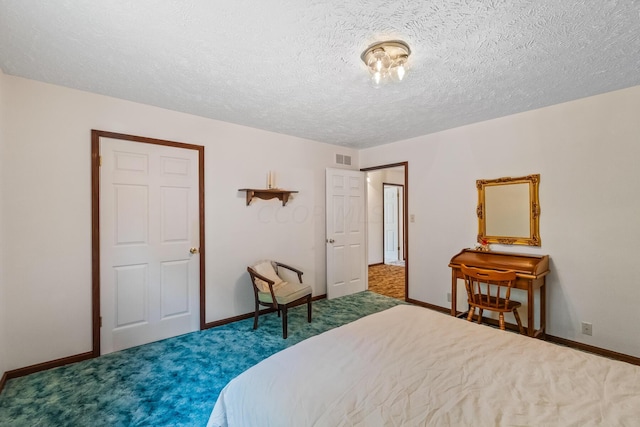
(272, 291)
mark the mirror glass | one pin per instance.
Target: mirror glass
(508, 210)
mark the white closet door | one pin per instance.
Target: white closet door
(149, 223)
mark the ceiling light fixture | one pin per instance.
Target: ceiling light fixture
(386, 60)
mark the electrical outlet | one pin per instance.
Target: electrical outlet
(587, 328)
(412, 218)
(448, 296)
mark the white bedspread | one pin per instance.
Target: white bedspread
(411, 366)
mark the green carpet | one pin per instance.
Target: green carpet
(174, 382)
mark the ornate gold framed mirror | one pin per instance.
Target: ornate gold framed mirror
(509, 210)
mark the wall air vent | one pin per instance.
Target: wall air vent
(343, 159)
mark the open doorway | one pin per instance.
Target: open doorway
(387, 237)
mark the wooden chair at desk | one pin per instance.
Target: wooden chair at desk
(494, 295)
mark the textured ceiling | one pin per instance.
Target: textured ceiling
(293, 66)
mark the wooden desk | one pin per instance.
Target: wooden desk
(531, 271)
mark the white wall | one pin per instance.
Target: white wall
(3, 301)
(587, 153)
(47, 209)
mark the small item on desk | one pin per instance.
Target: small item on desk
(483, 246)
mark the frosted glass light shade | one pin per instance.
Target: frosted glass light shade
(386, 60)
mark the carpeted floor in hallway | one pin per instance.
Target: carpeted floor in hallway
(387, 280)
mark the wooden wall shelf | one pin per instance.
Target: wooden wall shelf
(267, 194)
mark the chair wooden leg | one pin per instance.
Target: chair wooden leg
(309, 309)
(284, 321)
(480, 311)
(518, 321)
(255, 316)
(470, 316)
(502, 321)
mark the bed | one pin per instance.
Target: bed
(412, 366)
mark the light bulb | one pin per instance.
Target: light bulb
(400, 71)
(379, 61)
(377, 77)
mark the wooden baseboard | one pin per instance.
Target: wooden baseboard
(3, 381)
(21, 372)
(556, 340)
(228, 320)
(596, 350)
(427, 305)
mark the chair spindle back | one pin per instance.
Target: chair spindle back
(488, 288)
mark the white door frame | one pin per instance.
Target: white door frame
(95, 222)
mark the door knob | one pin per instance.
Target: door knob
(193, 251)
(330, 241)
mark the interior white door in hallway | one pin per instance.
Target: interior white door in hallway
(149, 234)
(346, 231)
(391, 224)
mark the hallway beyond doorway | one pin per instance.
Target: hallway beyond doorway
(388, 280)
